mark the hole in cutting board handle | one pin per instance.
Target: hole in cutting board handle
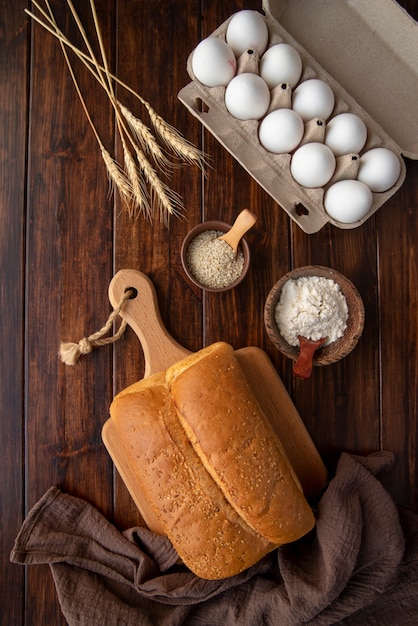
(134, 292)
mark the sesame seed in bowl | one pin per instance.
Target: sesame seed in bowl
(211, 263)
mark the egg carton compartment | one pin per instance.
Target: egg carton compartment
(272, 171)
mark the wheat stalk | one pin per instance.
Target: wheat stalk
(132, 180)
(171, 135)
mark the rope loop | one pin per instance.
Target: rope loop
(70, 353)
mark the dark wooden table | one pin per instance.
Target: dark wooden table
(62, 238)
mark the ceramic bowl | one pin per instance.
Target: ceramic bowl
(328, 353)
(218, 226)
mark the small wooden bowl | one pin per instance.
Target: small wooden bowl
(218, 226)
(355, 322)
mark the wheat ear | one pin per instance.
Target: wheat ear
(172, 138)
(117, 176)
(146, 139)
(167, 201)
(140, 196)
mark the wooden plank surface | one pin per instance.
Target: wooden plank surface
(13, 56)
(62, 238)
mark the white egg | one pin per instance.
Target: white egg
(247, 97)
(313, 98)
(213, 62)
(281, 131)
(313, 165)
(247, 30)
(346, 133)
(281, 64)
(379, 169)
(348, 201)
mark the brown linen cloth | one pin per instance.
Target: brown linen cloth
(351, 569)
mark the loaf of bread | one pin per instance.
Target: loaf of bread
(209, 464)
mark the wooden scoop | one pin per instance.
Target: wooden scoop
(245, 220)
(303, 366)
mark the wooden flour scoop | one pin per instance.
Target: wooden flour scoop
(303, 366)
(161, 350)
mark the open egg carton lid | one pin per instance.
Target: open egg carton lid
(368, 54)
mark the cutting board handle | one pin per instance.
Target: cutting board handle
(142, 313)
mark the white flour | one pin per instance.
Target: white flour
(311, 306)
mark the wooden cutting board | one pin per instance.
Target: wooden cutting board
(161, 350)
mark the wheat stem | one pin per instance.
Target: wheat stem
(99, 69)
(103, 53)
(76, 85)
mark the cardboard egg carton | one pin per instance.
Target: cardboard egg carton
(368, 54)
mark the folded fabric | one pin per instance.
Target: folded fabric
(351, 569)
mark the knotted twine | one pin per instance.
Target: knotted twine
(71, 352)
